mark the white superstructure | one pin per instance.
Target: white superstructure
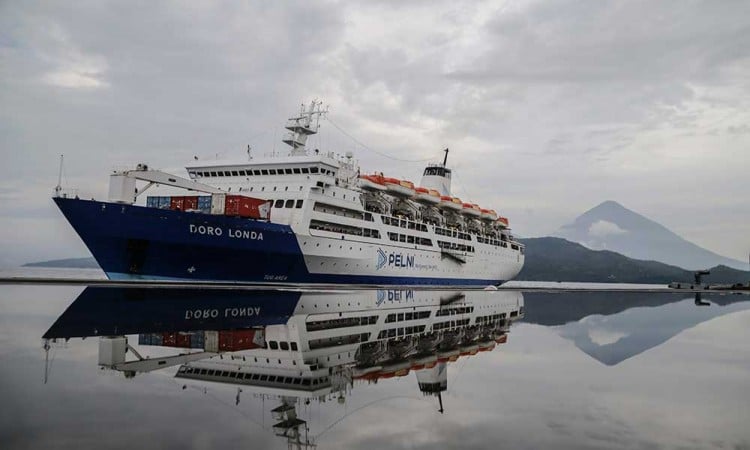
(370, 227)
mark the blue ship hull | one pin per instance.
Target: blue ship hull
(139, 243)
(106, 311)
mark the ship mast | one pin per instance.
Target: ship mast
(58, 188)
(304, 125)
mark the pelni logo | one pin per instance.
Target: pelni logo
(382, 259)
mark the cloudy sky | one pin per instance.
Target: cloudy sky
(549, 108)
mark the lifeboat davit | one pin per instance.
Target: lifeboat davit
(471, 210)
(399, 187)
(503, 222)
(425, 195)
(489, 214)
(448, 202)
(372, 182)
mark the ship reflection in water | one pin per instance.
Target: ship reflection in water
(380, 368)
(288, 348)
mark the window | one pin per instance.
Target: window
(274, 345)
(289, 204)
(213, 174)
(235, 173)
(299, 204)
(284, 345)
(294, 346)
(296, 171)
(279, 203)
(264, 172)
(313, 170)
(272, 171)
(288, 171)
(256, 172)
(305, 170)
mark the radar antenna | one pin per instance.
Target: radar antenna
(304, 125)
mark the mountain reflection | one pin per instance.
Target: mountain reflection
(291, 348)
(612, 327)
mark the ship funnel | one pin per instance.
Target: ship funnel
(438, 177)
(433, 380)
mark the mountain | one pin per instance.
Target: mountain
(611, 226)
(70, 263)
(557, 259)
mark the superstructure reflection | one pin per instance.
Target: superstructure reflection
(293, 347)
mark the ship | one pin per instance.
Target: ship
(306, 218)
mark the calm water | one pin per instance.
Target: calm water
(372, 369)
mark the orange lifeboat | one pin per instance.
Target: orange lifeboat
(372, 182)
(398, 187)
(503, 222)
(489, 214)
(425, 195)
(471, 209)
(486, 347)
(446, 201)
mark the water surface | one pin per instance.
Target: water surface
(574, 370)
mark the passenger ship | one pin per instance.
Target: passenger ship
(309, 218)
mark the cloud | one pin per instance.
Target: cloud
(75, 79)
(603, 228)
(550, 107)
